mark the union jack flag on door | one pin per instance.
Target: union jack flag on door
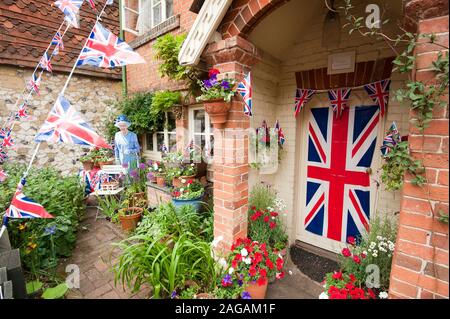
(105, 50)
(338, 185)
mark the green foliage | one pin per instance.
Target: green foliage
(377, 247)
(443, 217)
(33, 286)
(43, 241)
(56, 292)
(168, 249)
(167, 48)
(397, 163)
(191, 190)
(262, 196)
(163, 100)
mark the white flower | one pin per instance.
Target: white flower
(273, 217)
(374, 255)
(223, 262)
(375, 251)
(192, 164)
(389, 255)
(183, 180)
(323, 295)
(372, 245)
(365, 252)
(247, 260)
(244, 252)
(216, 241)
(181, 189)
(155, 166)
(231, 270)
(379, 237)
(383, 295)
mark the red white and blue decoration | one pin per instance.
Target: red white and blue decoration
(302, 96)
(379, 93)
(391, 140)
(35, 83)
(57, 41)
(3, 176)
(70, 9)
(92, 4)
(7, 140)
(64, 124)
(339, 100)
(279, 130)
(22, 111)
(45, 63)
(105, 50)
(245, 90)
(338, 185)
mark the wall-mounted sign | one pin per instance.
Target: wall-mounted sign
(341, 62)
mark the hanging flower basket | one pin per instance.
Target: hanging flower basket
(217, 110)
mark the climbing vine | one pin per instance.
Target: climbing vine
(423, 96)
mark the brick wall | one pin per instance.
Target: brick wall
(420, 265)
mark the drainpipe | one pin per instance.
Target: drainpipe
(124, 68)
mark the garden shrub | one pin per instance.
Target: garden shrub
(43, 241)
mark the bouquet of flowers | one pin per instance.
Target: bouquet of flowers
(254, 262)
(192, 190)
(213, 88)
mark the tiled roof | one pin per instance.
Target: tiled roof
(27, 27)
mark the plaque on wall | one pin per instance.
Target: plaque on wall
(343, 62)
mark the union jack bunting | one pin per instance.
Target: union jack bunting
(109, 2)
(64, 124)
(392, 138)
(92, 4)
(339, 100)
(379, 93)
(7, 140)
(302, 96)
(34, 83)
(338, 185)
(277, 126)
(3, 133)
(281, 138)
(3, 155)
(105, 50)
(45, 63)
(70, 9)
(58, 42)
(3, 176)
(22, 112)
(245, 90)
(24, 207)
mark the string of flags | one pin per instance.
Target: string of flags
(64, 124)
(391, 140)
(339, 98)
(244, 88)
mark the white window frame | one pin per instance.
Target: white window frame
(123, 14)
(155, 154)
(207, 132)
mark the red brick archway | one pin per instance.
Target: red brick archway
(244, 15)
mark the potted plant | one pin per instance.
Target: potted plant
(88, 163)
(255, 264)
(129, 217)
(158, 171)
(191, 194)
(216, 97)
(187, 172)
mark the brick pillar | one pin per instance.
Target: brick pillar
(233, 57)
(420, 263)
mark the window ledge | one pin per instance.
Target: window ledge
(170, 24)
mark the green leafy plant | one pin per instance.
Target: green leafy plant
(397, 163)
(33, 286)
(56, 292)
(213, 88)
(163, 100)
(191, 190)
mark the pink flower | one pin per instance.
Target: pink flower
(351, 240)
(346, 252)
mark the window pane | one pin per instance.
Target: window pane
(169, 8)
(156, 14)
(160, 140)
(199, 121)
(172, 141)
(199, 141)
(149, 141)
(211, 145)
(171, 125)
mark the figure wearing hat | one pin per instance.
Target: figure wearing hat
(126, 144)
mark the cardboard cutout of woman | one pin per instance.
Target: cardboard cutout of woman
(126, 144)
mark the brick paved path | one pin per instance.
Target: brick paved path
(95, 256)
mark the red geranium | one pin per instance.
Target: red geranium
(351, 240)
(258, 257)
(263, 272)
(261, 281)
(274, 214)
(269, 264)
(337, 275)
(352, 278)
(266, 219)
(280, 263)
(252, 271)
(272, 225)
(280, 275)
(346, 252)
(213, 72)
(356, 259)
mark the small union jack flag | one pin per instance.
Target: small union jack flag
(70, 9)
(3, 155)
(45, 63)
(339, 100)
(392, 138)
(277, 126)
(105, 50)
(3, 133)
(8, 140)
(22, 112)
(64, 124)
(58, 42)
(3, 176)
(379, 93)
(245, 90)
(34, 83)
(281, 138)
(302, 96)
(24, 207)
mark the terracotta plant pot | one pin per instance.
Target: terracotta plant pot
(101, 164)
(218, 111)
(138, 197)
(176, 182)
(129, 222)
(96, 161)
(204, 295)
(88, 165)
(256, 291)
(160, 181)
